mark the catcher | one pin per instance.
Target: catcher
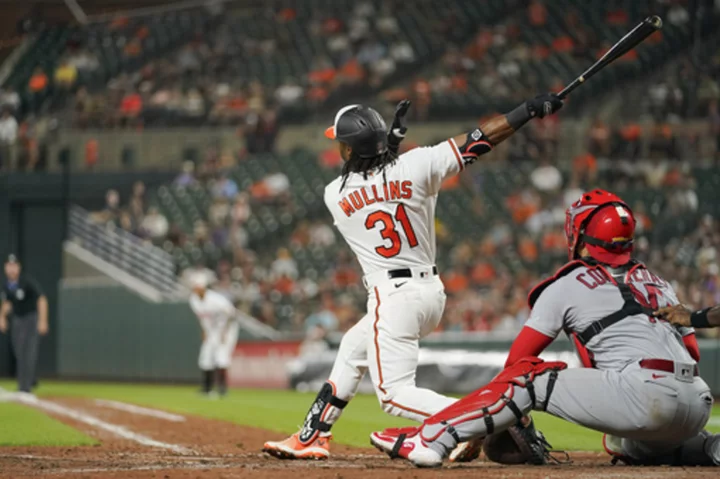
(640, 384)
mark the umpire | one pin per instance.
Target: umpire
(26, 305)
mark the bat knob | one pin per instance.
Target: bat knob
(656, 22)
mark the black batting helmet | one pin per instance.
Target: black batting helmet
(362, 128)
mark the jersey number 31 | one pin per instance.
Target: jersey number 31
(389, 231)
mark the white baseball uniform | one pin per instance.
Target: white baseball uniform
(388, 220)
(219, 323)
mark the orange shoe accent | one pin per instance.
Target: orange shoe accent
(292, 448)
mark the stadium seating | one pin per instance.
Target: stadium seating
(107, 41)
(538, 73)
(285, 41)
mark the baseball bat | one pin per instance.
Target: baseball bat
(641, 31)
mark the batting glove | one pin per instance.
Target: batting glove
(398, 128)
(544, 105)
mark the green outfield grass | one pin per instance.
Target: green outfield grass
(24, 426)
(274, 410)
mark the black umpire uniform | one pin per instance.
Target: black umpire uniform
(24, 303)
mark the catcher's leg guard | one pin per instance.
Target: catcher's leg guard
(490, 409)
(322, 414)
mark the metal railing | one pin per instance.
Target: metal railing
(127, 252)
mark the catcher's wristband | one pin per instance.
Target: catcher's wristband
(699, 319)
(519, 116)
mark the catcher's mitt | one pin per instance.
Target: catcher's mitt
(521, 445)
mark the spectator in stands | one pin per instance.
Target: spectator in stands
(546, 177)
(9, 99)
(321, 234)
(136, 204)
(111, 213)
(537, 13)
(65, 75)
(131, 107)
(261, 131)
(600, 135)
(677, 15)
(683, 200)
(284, 264)
(187, 177)
(84, 61)
(324, 315)
(8, 141)
(301, 235)
(584, 169)
(663, 143)
(224, 187)
(266, 313)
(314, 344)
(37, 86)
(274, 186)
(187, 59)
(155, 225)
(289, 93)
(193, 104)
(219, 212)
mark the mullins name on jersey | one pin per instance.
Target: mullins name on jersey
(371, 194)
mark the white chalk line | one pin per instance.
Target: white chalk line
(121, 431)
(139, 410)
(714, 421)
(153, 467)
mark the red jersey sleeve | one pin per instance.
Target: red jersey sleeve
(528, 343)
(692, 346)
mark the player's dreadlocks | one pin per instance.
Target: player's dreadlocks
(356, 164)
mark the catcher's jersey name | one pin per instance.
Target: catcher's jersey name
(371, 194)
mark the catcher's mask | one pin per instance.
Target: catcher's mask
(605, 224)
(362, 128)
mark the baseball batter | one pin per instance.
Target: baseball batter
(640, 385)
(384, 206)
(220, 328)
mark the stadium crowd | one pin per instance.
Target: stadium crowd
(487, 278)
(289, 59)
(221, 74)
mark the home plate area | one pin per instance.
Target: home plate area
(138, 442)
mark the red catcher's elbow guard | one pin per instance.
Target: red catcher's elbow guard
(498, 394)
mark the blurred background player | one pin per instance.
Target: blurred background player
(219, 325)
(384, 206)
(24, 302)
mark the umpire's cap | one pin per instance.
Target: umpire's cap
(362, 128)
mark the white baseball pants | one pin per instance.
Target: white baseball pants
(217, 348)
(386, 343)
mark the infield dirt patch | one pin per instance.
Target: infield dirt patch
(224, 450)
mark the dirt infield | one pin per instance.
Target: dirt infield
(215, 449)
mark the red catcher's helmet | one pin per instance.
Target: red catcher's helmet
(604, 224)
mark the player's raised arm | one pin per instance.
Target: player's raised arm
(398, 129)
(499, 128)
(681, 315)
